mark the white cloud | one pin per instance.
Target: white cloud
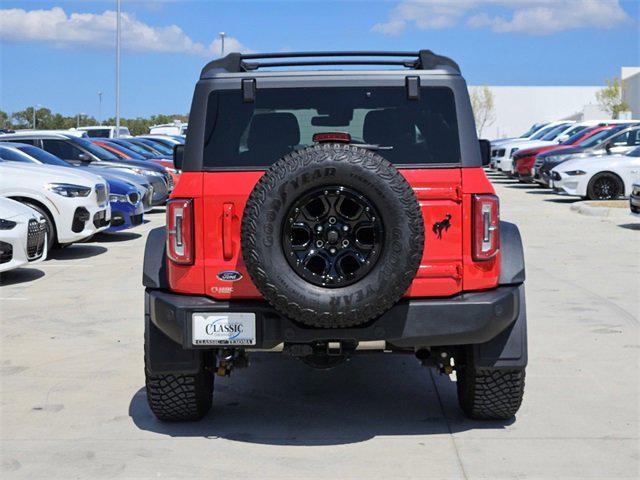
(426, 14)
(534, 17)
(57, 28)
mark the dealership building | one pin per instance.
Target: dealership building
(516, 108)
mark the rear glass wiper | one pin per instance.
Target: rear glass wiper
(371, 146)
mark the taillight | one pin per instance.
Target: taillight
(486, 223)
(180, 231)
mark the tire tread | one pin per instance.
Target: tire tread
(490, 393)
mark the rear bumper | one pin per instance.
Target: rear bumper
(469, 318)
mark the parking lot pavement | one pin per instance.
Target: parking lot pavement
(73, 403)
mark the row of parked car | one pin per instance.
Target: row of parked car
(596, 160)
(64, 186)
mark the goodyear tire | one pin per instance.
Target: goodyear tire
(332, 235)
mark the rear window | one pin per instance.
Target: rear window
(98, 132)
(280, 121)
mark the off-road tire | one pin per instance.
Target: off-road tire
(49, 224)
(490, 394)
(179, 398)
(315, 167)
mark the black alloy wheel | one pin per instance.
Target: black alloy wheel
(605, 187)
(332, 236)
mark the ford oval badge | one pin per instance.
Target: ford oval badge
(229, 276)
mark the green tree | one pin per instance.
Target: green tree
(48, 120)
(610, 97)
(23, 118)
(4, 119)
(483, 108)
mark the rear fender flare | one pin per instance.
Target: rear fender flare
(512, 270)
(508, 350)
(154, 271)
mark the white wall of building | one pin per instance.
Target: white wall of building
(631, 93)
(519, 107)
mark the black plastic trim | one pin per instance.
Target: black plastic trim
(509, 349)
(412, 84)
(236, 62)
(154, 270)
(512, 270)
(469, 318)
(404, 166)
(248, 90)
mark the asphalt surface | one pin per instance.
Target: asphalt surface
(73, 403)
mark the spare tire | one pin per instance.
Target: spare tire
(332, 235)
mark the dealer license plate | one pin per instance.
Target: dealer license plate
(223, 329)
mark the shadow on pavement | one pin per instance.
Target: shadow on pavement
(630, 226)
(520, 186)
(541, 191)
(280, 401)
(115, 237)
(563, 200)
(156, 210)
(20, 275)
(76, 251)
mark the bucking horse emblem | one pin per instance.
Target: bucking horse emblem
(442, 225)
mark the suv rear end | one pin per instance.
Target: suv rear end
(326, 213)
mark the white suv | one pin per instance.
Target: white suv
(23, 235)
(105, 131)
(176, 128)
(75, 204)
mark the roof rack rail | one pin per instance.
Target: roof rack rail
(238, 63)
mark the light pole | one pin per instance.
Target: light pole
(33, 115)
(222, 34)
(78, 119)
(117, 133)
(100, 108)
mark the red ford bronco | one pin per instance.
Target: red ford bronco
(323, 213)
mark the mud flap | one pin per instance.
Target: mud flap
(163, 356)
(508, 350)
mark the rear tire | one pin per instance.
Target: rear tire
(179, 397)
(490, 393)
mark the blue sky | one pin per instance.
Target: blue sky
(60, 54)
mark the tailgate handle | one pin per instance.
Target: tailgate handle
(228, 214)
